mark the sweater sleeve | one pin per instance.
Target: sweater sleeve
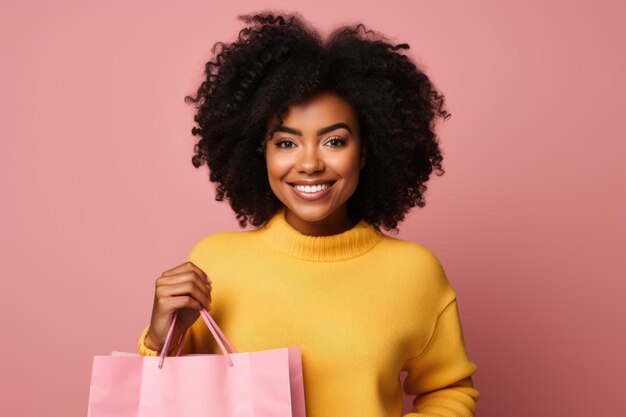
(143, 350)
(441, 376)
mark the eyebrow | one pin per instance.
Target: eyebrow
(321, 131)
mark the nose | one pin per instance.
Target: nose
(309, 160)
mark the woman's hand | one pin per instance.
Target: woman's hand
(185, 288)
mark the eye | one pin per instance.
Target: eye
(338, 140)
(279, 143)
(335, 141)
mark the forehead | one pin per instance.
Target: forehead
(320, 110)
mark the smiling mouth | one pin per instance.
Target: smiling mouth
(329, 184)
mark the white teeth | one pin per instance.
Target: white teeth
(313, 188)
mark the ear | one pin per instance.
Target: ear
(363, 156)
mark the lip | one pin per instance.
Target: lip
(311, 182)
(312, 196)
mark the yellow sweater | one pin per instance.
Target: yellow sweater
(361, 305)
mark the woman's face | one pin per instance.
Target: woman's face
(318, 141)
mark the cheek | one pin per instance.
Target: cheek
(347, 164)
(277, 167)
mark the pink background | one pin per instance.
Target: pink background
(101, 197)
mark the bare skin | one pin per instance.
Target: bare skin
(185, 288)
(300, 152)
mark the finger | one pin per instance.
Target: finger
(187, 266)
(190, 288)
(198, 291)
(176, 270)
(200, 272)
(171, 304)
(167, 308)
(204, 286)
(164, 284)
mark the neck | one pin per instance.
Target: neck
(337, 222)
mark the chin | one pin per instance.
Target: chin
(311, 214)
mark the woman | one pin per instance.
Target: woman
(319, 144)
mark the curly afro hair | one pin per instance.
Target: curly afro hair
(280, 60)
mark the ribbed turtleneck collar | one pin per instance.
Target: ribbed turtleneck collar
(290, 241)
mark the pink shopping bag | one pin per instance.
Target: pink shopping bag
(266, 383)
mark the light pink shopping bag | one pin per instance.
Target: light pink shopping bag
(266, 383)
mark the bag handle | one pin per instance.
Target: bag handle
(213, 327)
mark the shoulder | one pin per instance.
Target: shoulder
(420, 264)
(415, 254)
(220, 244)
